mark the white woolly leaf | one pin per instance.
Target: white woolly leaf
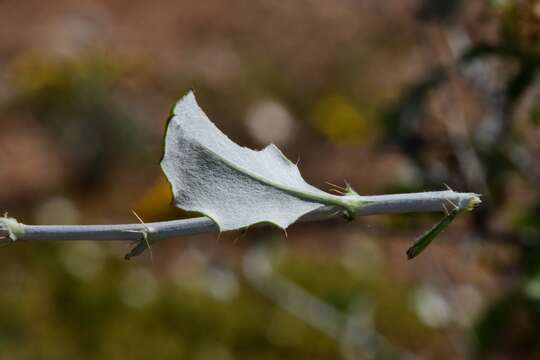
(233, 185)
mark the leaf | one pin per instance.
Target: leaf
(422, 242)
(233, 185)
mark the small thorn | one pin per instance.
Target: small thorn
(349, 190)
(336, 186)
(447, 187)
(145, 233)
(445, 209)
(138, 217)
(452, 203)
(337, 191)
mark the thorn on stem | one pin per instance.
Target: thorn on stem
(146, 233)
(336, 186)
(337, 191)
(452, 203)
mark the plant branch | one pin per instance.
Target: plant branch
(12, 230)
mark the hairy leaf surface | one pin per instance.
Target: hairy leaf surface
(233, 185)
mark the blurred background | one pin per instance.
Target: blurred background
(394, 96)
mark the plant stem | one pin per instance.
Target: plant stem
(377, 204)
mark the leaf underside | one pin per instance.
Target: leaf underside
(233, 185)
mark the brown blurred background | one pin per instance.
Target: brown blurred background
(393, 96)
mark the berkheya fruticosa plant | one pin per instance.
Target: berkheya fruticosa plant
(236, 187)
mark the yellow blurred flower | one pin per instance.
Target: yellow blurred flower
(338, 119)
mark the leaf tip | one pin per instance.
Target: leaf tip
(411, 253)
(187, 100)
